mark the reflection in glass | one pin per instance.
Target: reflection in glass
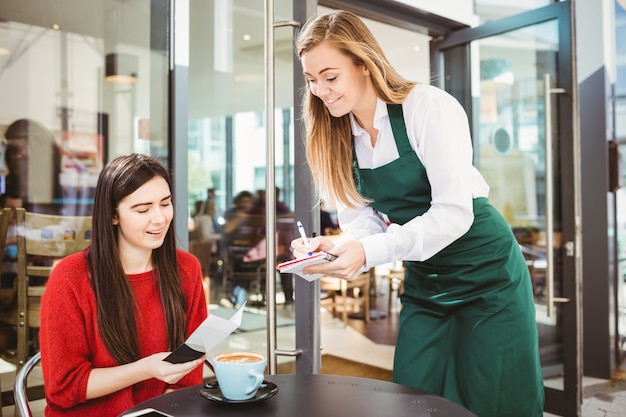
(54, 75)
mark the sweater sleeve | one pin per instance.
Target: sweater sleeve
(65, 333)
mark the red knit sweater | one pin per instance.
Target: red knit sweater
(71, 344)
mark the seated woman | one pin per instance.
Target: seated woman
(111, 314)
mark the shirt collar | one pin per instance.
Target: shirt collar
(379, 116)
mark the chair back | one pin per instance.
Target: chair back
(249, 233)
(19, 387)
(204, 252)
(53, 235)
(5, 218)
(285, 233)
(42, 240)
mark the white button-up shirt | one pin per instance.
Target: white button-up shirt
(438, 131)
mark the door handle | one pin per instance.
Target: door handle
(270, 181)
(549, 198)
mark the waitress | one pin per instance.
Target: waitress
(397, 158)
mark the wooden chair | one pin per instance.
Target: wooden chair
(336, 286)
(285, 230)
(395, 276)
(203, 251)
(42, 240)
(5, 218)
(248, 234)
(6, 294)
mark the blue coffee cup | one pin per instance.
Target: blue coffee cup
(239, 374)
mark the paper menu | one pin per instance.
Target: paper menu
(209, 334)
(296, 266)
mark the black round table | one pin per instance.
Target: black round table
(314, 396)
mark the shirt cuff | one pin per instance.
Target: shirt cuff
(376, 250)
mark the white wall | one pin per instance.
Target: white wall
(459, 10)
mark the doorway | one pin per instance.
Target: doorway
(514, 76)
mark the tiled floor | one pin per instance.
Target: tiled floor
(601, 397)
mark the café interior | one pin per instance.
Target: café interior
(189, 82)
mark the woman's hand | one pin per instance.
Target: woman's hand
(104, 381)
(170, 373)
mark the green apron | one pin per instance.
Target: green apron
(467, 326)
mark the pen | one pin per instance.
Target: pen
(303, 235)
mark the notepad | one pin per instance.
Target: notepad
(296, 266)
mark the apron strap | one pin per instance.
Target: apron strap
(398, 127)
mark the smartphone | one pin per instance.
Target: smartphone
(148, 412)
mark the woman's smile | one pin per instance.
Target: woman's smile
(335, 79)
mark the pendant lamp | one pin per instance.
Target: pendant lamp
(121, 68)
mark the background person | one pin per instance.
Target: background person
(242, 205)
(397, 158)
(204, 225)
(110, 314)
(33, 163)
(234, 217)
(258, 253)
(205, 242)
(209, 206)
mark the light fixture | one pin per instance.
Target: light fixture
(121, 68)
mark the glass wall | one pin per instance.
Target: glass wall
(227, 132)
(228, 148)
(227, 144)
(82, 82)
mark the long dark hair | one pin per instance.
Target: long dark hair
(115, 300)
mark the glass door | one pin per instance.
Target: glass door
(520, 106)
(229, 176)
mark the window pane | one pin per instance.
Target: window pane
(488, 10)
(85, 81)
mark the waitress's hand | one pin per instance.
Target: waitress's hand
(317, 244)
(350, 257)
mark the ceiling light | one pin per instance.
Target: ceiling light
(121, 68)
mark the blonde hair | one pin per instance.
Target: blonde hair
(328, 138)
